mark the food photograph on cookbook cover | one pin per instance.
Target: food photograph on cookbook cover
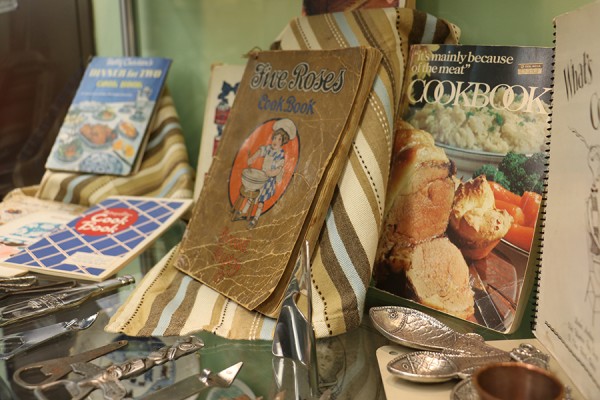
(467, 180)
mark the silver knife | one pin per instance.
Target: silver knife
(196, 383)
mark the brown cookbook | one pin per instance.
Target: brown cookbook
(284, 146)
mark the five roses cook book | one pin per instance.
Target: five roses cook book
(285, 143)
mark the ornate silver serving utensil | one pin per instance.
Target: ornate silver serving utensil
(449, 354)
(108, 379)
(195, 384)
(62, 299)
(294, 338)
(11, 345)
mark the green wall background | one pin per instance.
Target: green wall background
(198, 33)
(508, 22)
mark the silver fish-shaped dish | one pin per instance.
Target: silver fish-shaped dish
(448, 354)
(415, 329)
(429, 366)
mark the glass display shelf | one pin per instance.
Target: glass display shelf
(347, 364)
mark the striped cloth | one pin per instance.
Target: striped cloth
(342, 265)
(164, 171)
(167, 302)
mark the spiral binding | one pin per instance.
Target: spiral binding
(542, 217)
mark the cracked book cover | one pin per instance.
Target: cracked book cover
(283, 148)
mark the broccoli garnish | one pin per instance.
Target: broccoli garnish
(524, 173)
(535, 183)
(536, 164)
(512, 162)
(492, 174)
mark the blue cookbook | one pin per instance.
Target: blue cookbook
(105, 129)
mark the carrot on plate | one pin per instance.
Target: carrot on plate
(502, 193)
(530, 204)
(514, 210)
(521, 236)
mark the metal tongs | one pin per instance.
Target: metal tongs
(445, 353)
(54, 369)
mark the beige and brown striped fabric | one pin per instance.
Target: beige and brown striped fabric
(343, 261)
(167, 302)
(164, 171)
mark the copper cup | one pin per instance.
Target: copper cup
(516, 381)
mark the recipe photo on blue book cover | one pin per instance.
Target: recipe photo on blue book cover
(105, 129)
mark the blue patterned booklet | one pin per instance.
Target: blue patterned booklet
(104, 239)
(105, 129)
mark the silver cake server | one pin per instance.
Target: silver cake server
(294, 337)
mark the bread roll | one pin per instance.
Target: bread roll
(476, 226)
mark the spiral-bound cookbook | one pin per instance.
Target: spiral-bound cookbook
(466, 182)
(568, 308)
